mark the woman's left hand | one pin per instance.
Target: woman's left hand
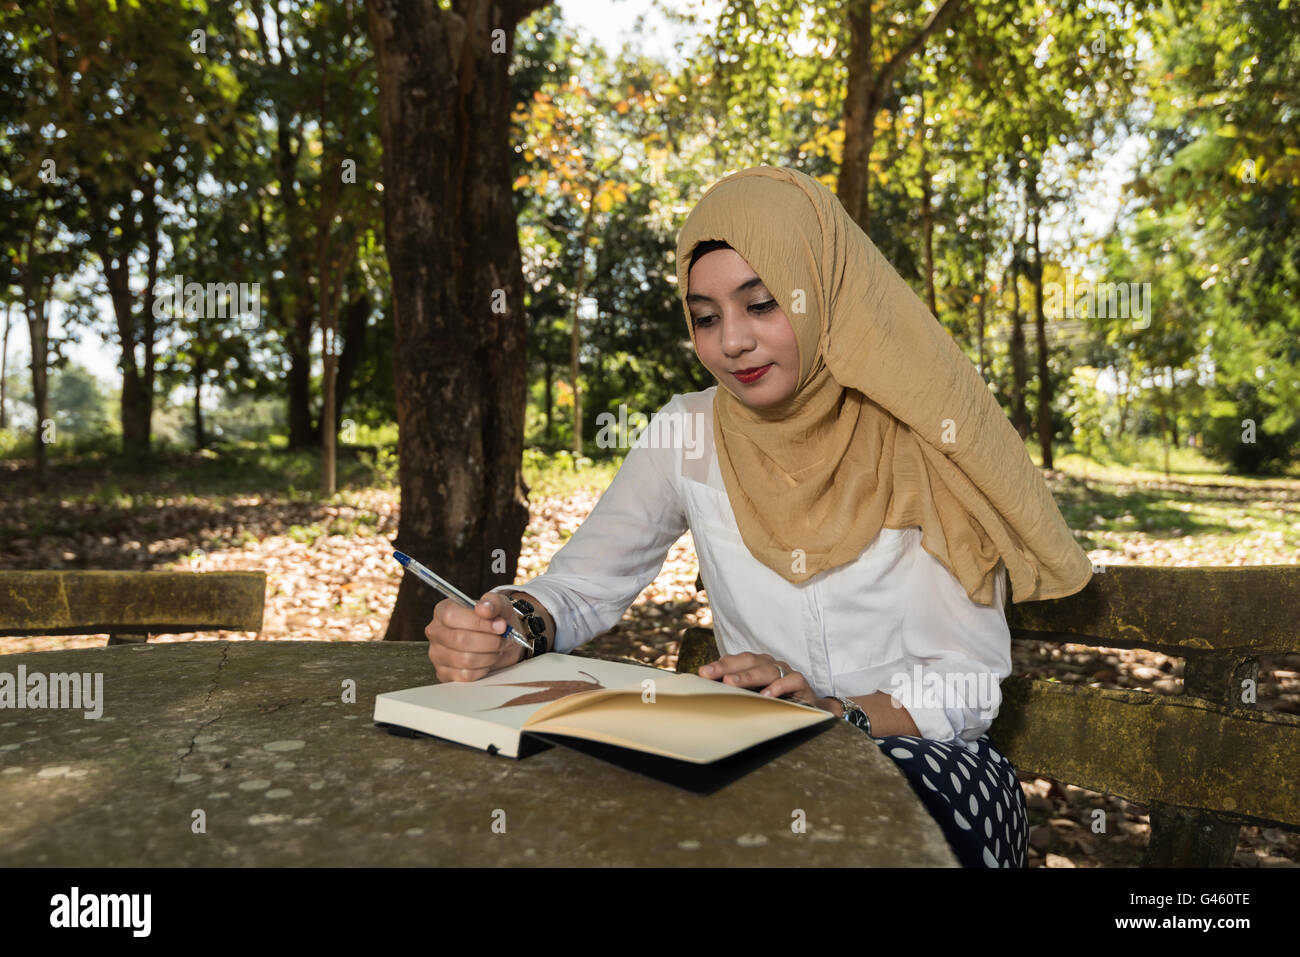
(748, 670)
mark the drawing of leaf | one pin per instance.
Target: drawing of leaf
(554, 690)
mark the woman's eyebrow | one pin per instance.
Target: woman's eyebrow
(747, 284)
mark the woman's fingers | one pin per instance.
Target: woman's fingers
(492, 607)
(464, 643)
(730, 664)
(486, 616)
(746, 670)
(766, 682)
(792, 682)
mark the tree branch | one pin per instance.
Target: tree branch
(940, 18)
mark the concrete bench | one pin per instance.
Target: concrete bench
(274, 741)
(129, 606)
(1204, 762)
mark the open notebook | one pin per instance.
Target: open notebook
(684, 729)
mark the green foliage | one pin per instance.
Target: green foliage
(15, 444)
(1217, 228)
(1002, 112)
(78, 402)
(245, 418)
(1244, 441)
(80, 410)
(561, 474)
(1086, 411)
(382, 463)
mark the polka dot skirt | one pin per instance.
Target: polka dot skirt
(973, 795)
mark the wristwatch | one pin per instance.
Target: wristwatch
(534, 624)
(854, 714)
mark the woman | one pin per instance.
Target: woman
(856, 496)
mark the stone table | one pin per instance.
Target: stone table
(250, 753)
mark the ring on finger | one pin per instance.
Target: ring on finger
(781, 670)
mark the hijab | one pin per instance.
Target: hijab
(890, 425)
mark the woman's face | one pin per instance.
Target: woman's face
(739, 326)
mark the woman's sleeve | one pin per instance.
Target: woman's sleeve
(958, 651)
(620, 548)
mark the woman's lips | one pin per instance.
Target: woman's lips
(748, 377)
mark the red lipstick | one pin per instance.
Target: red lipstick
(754, 375)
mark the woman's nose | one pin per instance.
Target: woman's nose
(737, 336)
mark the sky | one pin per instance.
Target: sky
(612, 23)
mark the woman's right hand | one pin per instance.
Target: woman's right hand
(467, 644)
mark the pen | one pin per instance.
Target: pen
(451, 591)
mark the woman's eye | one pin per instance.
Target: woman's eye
(756, 307)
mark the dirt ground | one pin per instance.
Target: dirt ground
(331, 577)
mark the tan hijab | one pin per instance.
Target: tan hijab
(890, 425)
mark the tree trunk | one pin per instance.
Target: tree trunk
(296, 258)
(153, 246)
(355, 323)
(452, 240)
(576, 340)
(4, 366)
(1122, 374)
(860, 108)
(1019, 413)
(135, 405)
(328, 425)
(38, 328)
(331, 276)
(302, 434)
(927, 218)
(982, 284)
(1040, 325)
(200, 440)
(866, 91)
(1164, 424)
(550, 404)
(1019, 374)
(1173, 408)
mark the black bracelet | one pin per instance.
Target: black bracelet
(534, 624)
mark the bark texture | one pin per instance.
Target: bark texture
(457, 281)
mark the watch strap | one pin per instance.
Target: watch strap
(854, 714)
(534, 627)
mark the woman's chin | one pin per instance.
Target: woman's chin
(762, 398)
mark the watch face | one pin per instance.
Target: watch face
(859, 719)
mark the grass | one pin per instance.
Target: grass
(94, 494)
(1198, 500)
(1143, 459)
(560, 475)
(185, 477)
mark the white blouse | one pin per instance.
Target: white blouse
(893, 620)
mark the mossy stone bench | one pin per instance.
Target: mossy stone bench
(129, 606)
(1204, 762)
